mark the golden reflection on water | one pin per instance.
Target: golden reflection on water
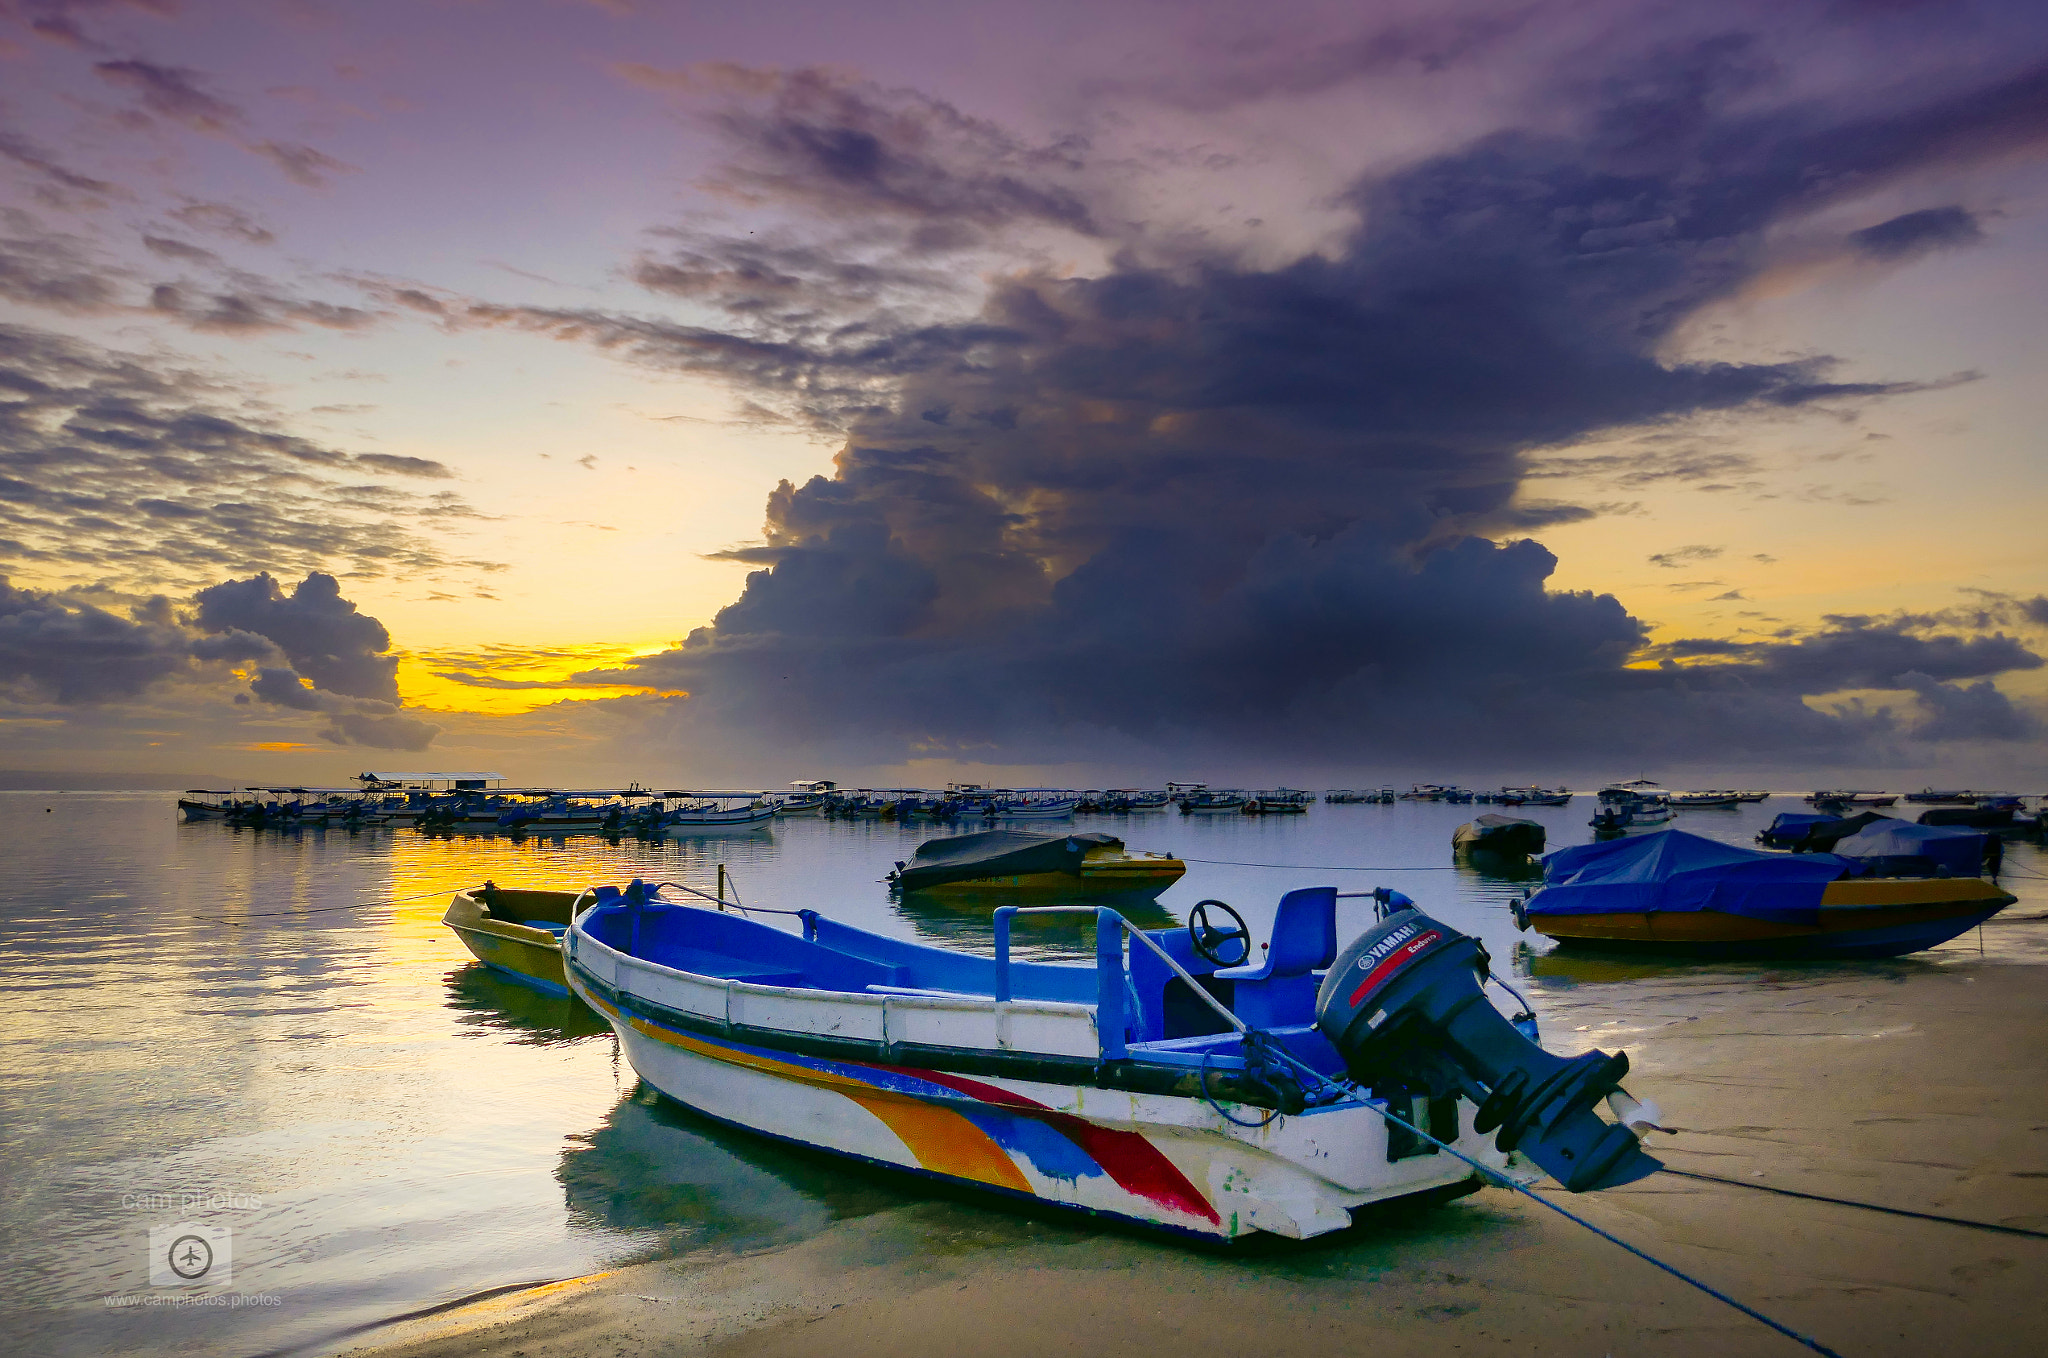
(194, 1007)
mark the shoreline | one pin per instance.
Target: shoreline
(1921, 1090)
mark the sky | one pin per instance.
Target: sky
(596, 390)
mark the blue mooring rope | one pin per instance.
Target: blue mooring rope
(1355, 1095)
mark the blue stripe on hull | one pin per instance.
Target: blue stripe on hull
(530, 982)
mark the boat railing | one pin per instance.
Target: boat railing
(1112, 982)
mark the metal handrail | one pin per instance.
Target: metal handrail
(1109, 957)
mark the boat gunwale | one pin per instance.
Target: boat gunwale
(1126, 1075)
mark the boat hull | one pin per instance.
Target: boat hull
(1111, 880)
(1884, 918)
(1160, 1161)
(531, 956)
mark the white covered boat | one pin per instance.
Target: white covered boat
(1126, 1088)
(709, 812)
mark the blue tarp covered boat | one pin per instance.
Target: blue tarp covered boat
(1676, 871)
(1678, 892)
(1893, 847)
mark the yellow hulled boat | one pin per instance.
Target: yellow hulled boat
(1011, 860)
(516, 933)
(1677, 893)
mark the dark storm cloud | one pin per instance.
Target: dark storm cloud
(1967, 711)
(1196, 501)
(322, 634)
(66, 653)
(391, 732)
(69, 652)
(284, 687)
(1857, 653)
(336, 660)
(63, 651)
(1916, 233)
(112, 465)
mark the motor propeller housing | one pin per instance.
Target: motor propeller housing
(1403, 1006)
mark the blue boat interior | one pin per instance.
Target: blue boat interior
(1163, 1020)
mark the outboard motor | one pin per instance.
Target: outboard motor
(1403, 1006)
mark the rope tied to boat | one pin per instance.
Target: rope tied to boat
(1347, 1091)
(1264, 1070)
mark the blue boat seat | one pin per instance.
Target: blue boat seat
(1282, 989)
(1304, 937)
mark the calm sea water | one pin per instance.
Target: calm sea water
(274, 1035)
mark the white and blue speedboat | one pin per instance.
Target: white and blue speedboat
(1161, 1084)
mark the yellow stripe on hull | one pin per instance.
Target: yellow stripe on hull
(941, 1140)
(1845, 907)
(1101, 878)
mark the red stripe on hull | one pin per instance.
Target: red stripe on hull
(1135, 1164)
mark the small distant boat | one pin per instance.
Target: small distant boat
(563, 815)
(1534, 796)
(1123, 801)
(201, 803)
(1634, 805)
(1278, 802)
(705, 812)
(1703, 801)
(1034, 808)
(1010, 860)
(1934, 796)
(1753, 796)
(1211, 802)
(1993, 813)
(515, 933)
(1852, 798)
(1679, 893)
(806, 797)
(1499, 834)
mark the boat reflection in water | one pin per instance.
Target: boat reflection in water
(655, 1168)
(966, 919)
(1488, 865)
(485, 999)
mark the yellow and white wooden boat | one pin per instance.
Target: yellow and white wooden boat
(516, 933)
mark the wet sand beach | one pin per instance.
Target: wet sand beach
(1913, 1084)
